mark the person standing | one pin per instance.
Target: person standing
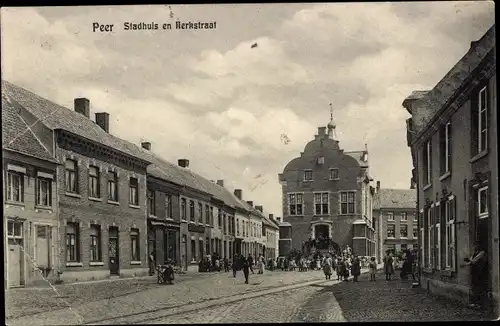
(250, 262)
(372, 267)
(355, 268)
(388, 266)
(327, 267)
(478, 263)
(226, 264)
(152, 260)
(246, 267)
(262, 264)
(235, 264)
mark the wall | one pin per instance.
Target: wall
(87, 211)
(33, 215)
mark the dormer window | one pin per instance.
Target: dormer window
(321, 160)
(308, 175)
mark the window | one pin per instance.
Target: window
(482, 202)
(207, 245)
(450, 262)
(43, 192)
(94, 190)
(211, 216)
(15, 229)
(183, 209)
(390, 216)
(71, 176)
(207, 214)
(482, 118)
(238, 227)
(391, 231)
(193, 250)
(308, 175)
(151, 203)
(430, 237)
(422, 239)
(334, 174)
(404, 246)
(321, 200)
(72, 242)
(15, 187)
(427, 157)
(112, 186)
(321, 160)
(391, 248)
(437, 239)
(95, 243)
(200, 213)
(219, 219)
(168, 206)
(135, 245)
(445, 148)
(404, 216)
(295, 204)
(403, 231)
(191, 210)
(224, 224)
(415, 220)
(134, 191)
(347, 202)
(415, 233)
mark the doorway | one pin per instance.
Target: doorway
(15, 267)
(113, 251)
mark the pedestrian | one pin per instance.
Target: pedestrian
(372, 267)
(388, 266)
(152, 261)
(478, 263)
(235, 264)
(407, 268)
(250, 262)
(226, 264)
(355, 268)
(217, 265)
(246, 267)
(346, 270)
(338, 268)
(327, 267)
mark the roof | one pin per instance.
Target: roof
(55, 116)
(446, 88)
(397, 198)
(358, 155)
(17, 135)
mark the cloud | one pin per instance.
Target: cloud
(208, 96)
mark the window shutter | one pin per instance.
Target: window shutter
(339, 204)
(453, 208)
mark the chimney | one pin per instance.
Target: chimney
(259, 208)
(183, 163)
(378, 186)
(271, 216)
(220, 183)
(278, 219)
(82, 106)
(238, 193)
(249, 202)
(102, 120)
(146, 145)
(321, 131)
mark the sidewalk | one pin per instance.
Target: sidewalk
(396, 300)
(99, 301)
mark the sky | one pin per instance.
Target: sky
(210, 97)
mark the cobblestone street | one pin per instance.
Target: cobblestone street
(335, 302)
(85, 303)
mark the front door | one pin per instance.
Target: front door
(184, 252)
(15, 262)
(113, 251)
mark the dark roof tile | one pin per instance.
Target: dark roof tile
(397, 198)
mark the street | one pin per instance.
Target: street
(220, 298)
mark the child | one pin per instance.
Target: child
(373, 268)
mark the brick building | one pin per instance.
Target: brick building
(452, 134)
(101, 188)
(327, 197)
(395, 218)
(30, 202)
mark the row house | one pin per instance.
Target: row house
(327, 197)
(253, 235)
(270, 235)
(452, 134)
(30, 202)
(100, 188)
(396, 220)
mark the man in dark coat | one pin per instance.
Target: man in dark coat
(226, 264)
(250, 262)
(246, 267)
(236, 262)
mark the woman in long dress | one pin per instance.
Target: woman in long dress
(388, 266)
(261, 264)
